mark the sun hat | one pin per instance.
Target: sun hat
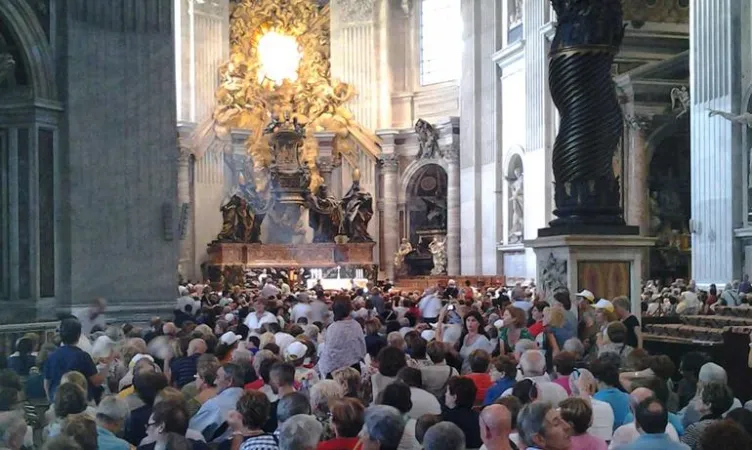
(229, 338)
(295, 350)
(604, 304)
(587, 295)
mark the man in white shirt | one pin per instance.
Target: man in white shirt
(583, 384)
(92, 316)
(302, 308)
(628, 433)
(430, 306)
(260, 316)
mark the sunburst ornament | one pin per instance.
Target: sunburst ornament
(278, 67)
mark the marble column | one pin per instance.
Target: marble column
(717, 162)
(637, 202)
(325, 170)
(184, 201)
(389, 168)
(452, 157)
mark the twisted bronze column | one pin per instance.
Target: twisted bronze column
(588, 36)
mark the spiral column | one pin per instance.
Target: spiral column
(588, 36)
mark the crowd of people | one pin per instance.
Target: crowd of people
(454, 367)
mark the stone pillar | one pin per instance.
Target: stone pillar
(452, 157)
(325, 170)
(637, 202)
(716, 153)
(184, 201)
(389, 168)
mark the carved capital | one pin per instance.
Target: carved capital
(389, 162)
(325, 167)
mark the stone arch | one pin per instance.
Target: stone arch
(410, 172)
(511, 156)
(514, 229)
(36, 52)
(427, 189)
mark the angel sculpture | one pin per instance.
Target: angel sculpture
(742, 119)
(428, 139)
(438, 250)
(680, 101)
(399, 257)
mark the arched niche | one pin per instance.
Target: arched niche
(27, 42)
(670, 201)
(426, 201)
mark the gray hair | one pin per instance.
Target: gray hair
(385, 425)
(524, 345)
(291, 405)
(241, 355)
(300, 432)
(323, 392)
(575, 346)
(12, 424)
(112, 409)
(712, 373)
(261, 356)
(312, 331)
(533, 363)
(444, 436)
(586, 376)
(532, 421)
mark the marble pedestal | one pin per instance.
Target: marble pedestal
(607, 265)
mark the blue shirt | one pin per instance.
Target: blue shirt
(184, 369)
(498, 388)
(66, 359)
(673, 419)
(108, 441)
(619, 402)
(212, 414)
(659, 441)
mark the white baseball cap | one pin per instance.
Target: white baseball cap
(428, 335)
(229, 338)
(604, 304)
(296, 350)
(587, 295)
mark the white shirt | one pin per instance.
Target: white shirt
(254, 322)
(423, 403)
(430, 306)
(301, 310)
(87, 323)
(603, 420)
(628, 433)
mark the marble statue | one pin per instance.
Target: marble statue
(515, 14)
(437, 247)
(428, 139)
(357, 208)
(516, 206)
(325, 215)
(399, 257)
(680, 101)
(742, 119)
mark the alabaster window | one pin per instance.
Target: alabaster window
(440, 41)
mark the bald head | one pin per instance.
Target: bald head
(196, 346)
(639, 395)
(495, 424)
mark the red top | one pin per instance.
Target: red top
(536, 328)
(482, 382)
(338, 444)
(254, 385)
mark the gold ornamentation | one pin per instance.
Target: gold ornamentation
(314, 99)
(664, 11)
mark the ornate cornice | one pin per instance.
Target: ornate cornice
(349, 11)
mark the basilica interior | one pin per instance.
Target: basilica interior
(165, 140)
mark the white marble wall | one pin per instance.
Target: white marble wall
(717, 190)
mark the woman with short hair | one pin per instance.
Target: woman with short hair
(579, 414)
(250, 415)
(347, 421)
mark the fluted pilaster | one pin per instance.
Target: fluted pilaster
(389, 168)
(453, 211)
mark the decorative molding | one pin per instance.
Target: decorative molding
(510, 54)
(663, 11)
